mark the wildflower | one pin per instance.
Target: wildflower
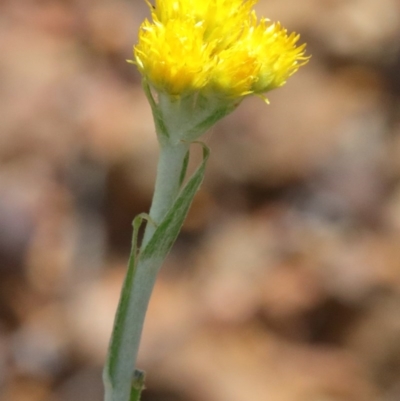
(215, 48)
(199, 59)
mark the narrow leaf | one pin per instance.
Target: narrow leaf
(168, 230)
(184, 168)
(161, 128)
(137, 385)
(120, 317)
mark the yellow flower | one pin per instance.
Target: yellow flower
(173, 56)
(215, 48)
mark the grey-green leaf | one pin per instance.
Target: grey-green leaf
(137, 385)
(168, 230)
(120, 317)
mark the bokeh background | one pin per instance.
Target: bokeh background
(285, 282)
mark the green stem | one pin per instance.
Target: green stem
(168, 182)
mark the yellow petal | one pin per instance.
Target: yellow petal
(215, 47)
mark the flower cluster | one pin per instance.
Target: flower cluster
(214, 47)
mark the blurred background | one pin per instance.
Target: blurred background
(285, 282)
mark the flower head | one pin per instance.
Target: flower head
(214, 47)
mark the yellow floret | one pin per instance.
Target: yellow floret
(215, 47)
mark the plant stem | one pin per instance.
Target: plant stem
(167, 184)
(167, 187)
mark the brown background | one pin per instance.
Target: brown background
(285, 282)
